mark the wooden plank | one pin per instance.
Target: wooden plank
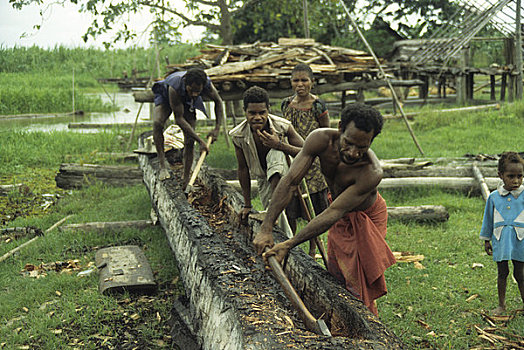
(107, 226)
(296, 41)
(76, 175)
(236, 67)
(124, 268)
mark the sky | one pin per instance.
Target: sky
(65, 26)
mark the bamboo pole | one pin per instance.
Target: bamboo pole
(309, 210)
(482, 183)
(12, 251)
(383, 74)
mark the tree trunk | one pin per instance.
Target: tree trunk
(419, 213)
(449, 183)
(225, 23)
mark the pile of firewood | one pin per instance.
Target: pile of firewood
(270, 64)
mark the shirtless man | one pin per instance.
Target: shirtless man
(181, 93)
(358, 254)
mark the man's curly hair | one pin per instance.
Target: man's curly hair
(366, 118)
(508, 157)
(196, 76)
(255, 94)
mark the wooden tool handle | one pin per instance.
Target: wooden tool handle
(309, 320)
(199, 163)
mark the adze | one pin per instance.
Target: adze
(317, 326)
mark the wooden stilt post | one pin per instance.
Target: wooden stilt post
(509, 56)
(492, 87)
(503, 83)
(518, 52)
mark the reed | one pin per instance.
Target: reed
(102, 63)
(36, 80)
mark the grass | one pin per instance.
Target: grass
(61, 309)
(428, 308)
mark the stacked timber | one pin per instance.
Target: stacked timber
(233, 302)
(234, 68)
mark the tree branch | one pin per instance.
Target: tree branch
(186, 19)
(210, 3)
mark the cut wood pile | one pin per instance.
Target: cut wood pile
(271, 64)
(234, 68)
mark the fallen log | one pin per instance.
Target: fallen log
(484, 160)
(235, 304)
(17, 232)
(124, 156)
(468, 184)
(108, 226)
(414, 170)
(419, 169)
(482, 183)
(449, 110)
(419, 213)
(106, 125)
(143, 96)
(76, 175)
(416, 213)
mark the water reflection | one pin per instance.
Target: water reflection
(127, 112)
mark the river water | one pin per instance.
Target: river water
(126, 113)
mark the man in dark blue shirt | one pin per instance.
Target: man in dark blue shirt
(181, 93)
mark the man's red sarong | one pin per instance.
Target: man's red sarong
(358, 254)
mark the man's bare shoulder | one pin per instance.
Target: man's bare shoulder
(321, 138)
(372, 168)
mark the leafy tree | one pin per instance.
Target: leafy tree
(414, 17)
(328, 22)
(214, 15)
(272, 19)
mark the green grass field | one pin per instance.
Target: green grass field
(434, 307)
